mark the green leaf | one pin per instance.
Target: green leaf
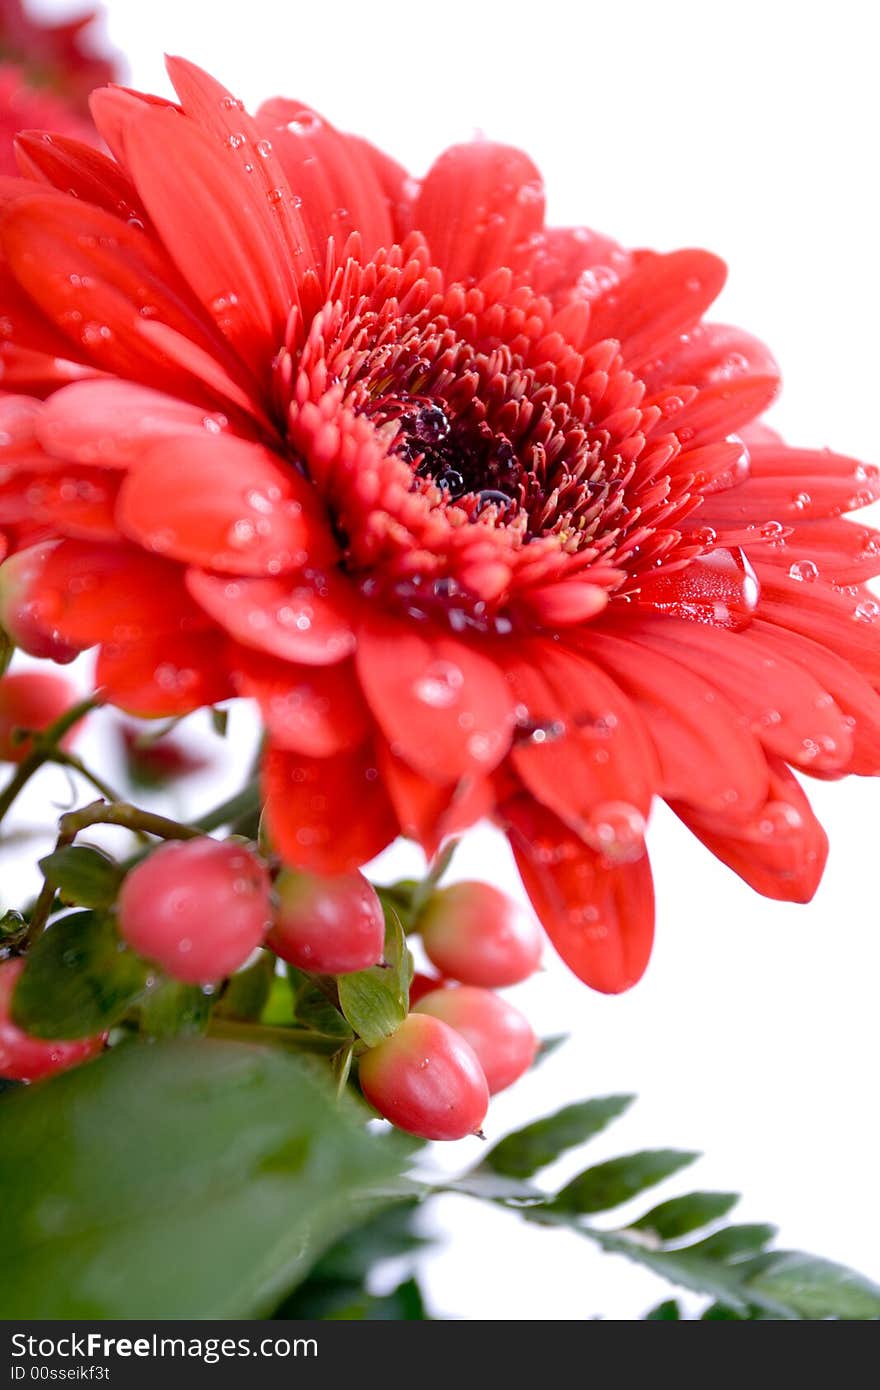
(278, 1009)
(83, 875)
(311, 1006)
(188, 1179)
(681, 1215)
(219, 721)
(7, 648)
(247, 993)
(667, 1311)
(547, 1046)
(171, 1009)
(376, 1001)
(527, 1150)
(79, 979)
(813, 1287)
(734, 1242)
(608, 1184)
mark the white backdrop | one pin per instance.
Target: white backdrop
(750, 130)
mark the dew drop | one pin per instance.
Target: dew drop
(440, 686)
(805, 571)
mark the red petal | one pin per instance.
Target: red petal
(723, 408)
(309, 709)
(478, 207)
(113, 107)
(851, 691)
(720, 588)
(74, 167)
(599, 916)
(331, 175)
(789, 711)
(794, 485)
(588, 747)
(444, 708)
(89, 593)
(845, 622)
(661, 297)
(304, 618)
(428, 812)
(780, 851)
(569, 260)
(840, 552)
(74, 501)
(164, 674)
(564, 603)
(223, 503)
(99, 280)
(710, 355)
(111, 422)
(328, 815)
(706, 756)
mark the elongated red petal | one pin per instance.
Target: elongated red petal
(794, 485)
(72, 501)
(583, 745)
(599, 916)
(163, 674)
(304, 618)
(74, 167)
(111, 422)
(223, 503)
(845, 622)
(328, 815)
(706, 753)
(661, 297)
(478, 208)
(88, 593)
(780, 851)
(444, 708)
(308, 709)
(336, 184)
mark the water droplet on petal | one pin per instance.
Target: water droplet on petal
(440, 686)
(805, 571)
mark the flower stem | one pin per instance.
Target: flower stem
(242, 805)
(302, 1039)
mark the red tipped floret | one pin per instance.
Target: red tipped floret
(427, 1080)
(478, 935)
(197, 908)
(31, 700)
(500, 1035)
(329, 925)
(20, 613)
(24, 1058)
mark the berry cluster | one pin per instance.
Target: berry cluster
(197, 910)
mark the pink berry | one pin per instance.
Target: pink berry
(31, 700)
(478, 935)
(500, 1035)
(196, 907)
(328, 925)
(427, 1080)
(23, 1058)
(20, 614)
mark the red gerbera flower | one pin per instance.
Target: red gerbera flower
(477, 510)
(46, 74)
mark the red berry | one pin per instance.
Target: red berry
(328, 925)
(196, 907)
(500, 1035)
(20, 615)
(23, 1058)
(426, 1079)
(31, 700)
(477, 934)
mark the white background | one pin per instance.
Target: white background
(752, 130)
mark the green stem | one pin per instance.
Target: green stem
(76, 764)
(45, 750)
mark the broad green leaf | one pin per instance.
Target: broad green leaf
(527, 1150)
(376, 1001)
(82, 875)
(247, 993)
(734, 1242)
(608, 1184)
(186, 1179)
(681, 1215)
(312, 1008)
(278, 1009)
(668, 1311)
(813, 1287)
(171, 1009)
(79, 979)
